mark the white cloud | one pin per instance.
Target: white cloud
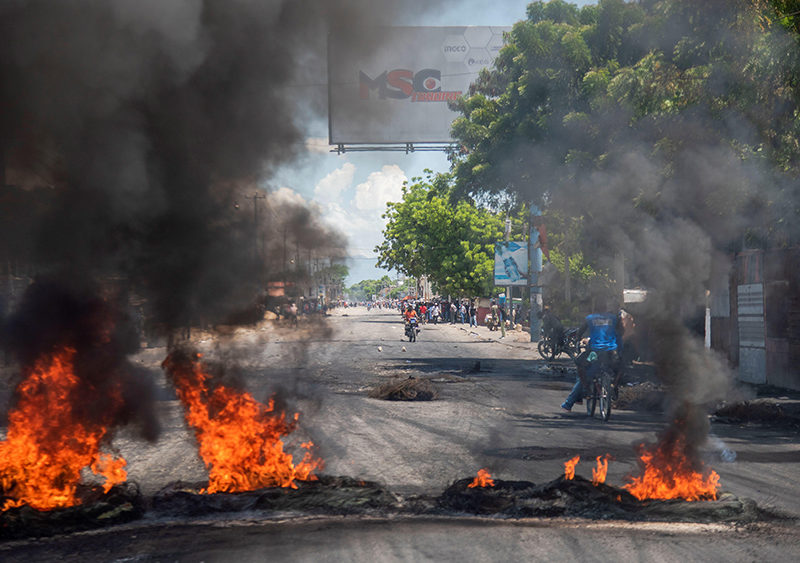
(287, 195)
(331, 186)
(354, 210)
(363, 232)
(380, 187)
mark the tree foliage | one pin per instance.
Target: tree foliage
(452, 242)
(365, 289)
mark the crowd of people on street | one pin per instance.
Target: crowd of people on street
(464, 311)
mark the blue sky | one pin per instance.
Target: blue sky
(352, 189)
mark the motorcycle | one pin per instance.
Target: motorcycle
(490, 322)
(568, 344)
(412, 329)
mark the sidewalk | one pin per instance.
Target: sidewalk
(517, 339)
(514, 338)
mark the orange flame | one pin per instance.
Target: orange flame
(669, 473)
(484, 479)
(569, 467)
(239, 438)
(48, 444)
(599, 473)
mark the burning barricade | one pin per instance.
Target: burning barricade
(59, 472)
(239, 439)
(74, 392)
(483, 479)
(572, 495)
(48, 443)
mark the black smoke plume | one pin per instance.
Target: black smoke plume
(133, 139)
(143, 118)
(676, 193)
(54, 316)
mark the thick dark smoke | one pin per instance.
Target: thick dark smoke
(143, 116)
(674, 196)
(711, 199)
(676, 241)
(54, 316)
(147, 128)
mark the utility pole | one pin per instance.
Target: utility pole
(535, 265)
(255, 198)
(567, 257)
(510, 288)
(284, 258)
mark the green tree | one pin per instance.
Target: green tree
(452, 242)
(365, 289)
(557, 11)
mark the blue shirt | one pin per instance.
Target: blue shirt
(602, 331)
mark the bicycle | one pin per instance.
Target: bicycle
(600, 392)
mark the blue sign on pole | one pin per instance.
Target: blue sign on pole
(510, 260)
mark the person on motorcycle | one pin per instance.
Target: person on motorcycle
(552, 329)
(605, 337)
(410, 314)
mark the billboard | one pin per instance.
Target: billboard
(511, 263)
(398, 92)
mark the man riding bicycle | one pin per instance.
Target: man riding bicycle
(605, 338)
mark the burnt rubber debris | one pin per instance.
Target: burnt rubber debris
(344, 496)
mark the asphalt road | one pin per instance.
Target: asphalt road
(504, 416)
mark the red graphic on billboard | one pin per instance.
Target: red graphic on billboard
(399, 84)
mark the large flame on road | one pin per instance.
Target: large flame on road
(48, 443)
(484, 479)
(669, 473)
(569, 467)
(239, 438)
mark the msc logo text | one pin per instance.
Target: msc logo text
(401, 83)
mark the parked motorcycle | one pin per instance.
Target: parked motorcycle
(412, 329)
(568, 344)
